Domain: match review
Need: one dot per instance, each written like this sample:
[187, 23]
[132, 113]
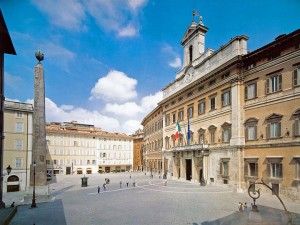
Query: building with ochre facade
[241, 110]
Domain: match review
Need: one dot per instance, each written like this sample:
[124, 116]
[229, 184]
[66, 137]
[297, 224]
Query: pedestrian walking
[104, 186]
[130, 176]
[127, 183]
[133, 184]
[240, 207]
[98, 189]
[245, 206]
[120, 184]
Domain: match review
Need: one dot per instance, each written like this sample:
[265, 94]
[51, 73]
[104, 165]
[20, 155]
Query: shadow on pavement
[265, 216]
[45, 213]
[54, 192]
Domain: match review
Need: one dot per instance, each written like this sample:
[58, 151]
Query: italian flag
[178, 130]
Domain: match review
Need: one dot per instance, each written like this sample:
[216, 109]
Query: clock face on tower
[189, 75]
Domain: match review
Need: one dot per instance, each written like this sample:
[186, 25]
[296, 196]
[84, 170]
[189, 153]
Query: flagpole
[184, 131]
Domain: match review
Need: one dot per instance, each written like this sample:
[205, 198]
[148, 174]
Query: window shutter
[295, 77]
[279, 129]
[269, 169]
[267, 85]
[256, 169]
[223, 135]
[280, 82]
[229, 134]
[255, 133]
[296, 128]
[245, 168]
[246, 133]
[255, 90]
[222, 99]
[229, 96]
[280, 170]
[221, 168]
[246, 92]
[268, 131]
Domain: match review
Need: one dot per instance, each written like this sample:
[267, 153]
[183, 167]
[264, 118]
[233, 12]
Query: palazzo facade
[242, 110]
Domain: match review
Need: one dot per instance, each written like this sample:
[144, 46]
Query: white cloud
[128, 31]
[135, 4]
[115, 86]
[64, 14]
[176, 63]
[67, 107]
[126, 117]
[149, 102]
[118, 16]
[130, 126]
[127, 109]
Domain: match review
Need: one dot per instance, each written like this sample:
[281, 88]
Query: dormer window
[191, 53]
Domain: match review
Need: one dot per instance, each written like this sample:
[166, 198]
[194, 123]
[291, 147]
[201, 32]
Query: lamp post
[33, 205]
[8, 169]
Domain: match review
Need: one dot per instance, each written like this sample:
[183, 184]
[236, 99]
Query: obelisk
[39, 122]
[38, 168]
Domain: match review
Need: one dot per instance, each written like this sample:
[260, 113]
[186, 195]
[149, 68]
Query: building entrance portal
[188, 169]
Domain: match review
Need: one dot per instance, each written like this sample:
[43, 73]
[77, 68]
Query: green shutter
[245, 168]
[295, 77]
[267, 85]
[280, 82]
[246, 133]
[256, 169]
[246, 92]
[279, 129]
[268, 131]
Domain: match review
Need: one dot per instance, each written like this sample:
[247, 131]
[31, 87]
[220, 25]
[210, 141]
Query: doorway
[68, 170]
[188, 164]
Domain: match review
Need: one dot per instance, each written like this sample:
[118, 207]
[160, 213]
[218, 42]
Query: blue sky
[106, 61]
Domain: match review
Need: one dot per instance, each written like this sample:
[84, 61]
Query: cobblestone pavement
[149, 201]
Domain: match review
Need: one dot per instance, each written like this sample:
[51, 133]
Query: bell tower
[193, 41]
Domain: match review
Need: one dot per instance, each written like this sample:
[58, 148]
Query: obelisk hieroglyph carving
[39, 129]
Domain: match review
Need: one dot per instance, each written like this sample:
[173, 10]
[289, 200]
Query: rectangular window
[18, 162]
[19, 127]
[226, 98]
[180, 115]
[54, 161]
[226, 135]
[201, 138]
[212, 137]
[253, 171]
[190, 111]
[251, 133]
[167, 120]
[298, 169]
[18, 144]
[276, 170]
[212, 103]
[250, 91]
[275, 128]
[224, 168]
[201, 107]
[174, 117]
[274, 83]
[19, 114]
[296, 77]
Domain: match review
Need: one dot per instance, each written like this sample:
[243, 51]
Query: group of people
[242, 206]
[107, 182]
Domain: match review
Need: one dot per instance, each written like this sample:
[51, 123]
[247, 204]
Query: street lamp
[33, 205]
[8, 169]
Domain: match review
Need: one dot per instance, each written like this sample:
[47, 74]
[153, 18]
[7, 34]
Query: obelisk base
[42, 194]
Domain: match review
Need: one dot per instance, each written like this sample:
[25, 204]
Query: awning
[79, 169]
[89, 169]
